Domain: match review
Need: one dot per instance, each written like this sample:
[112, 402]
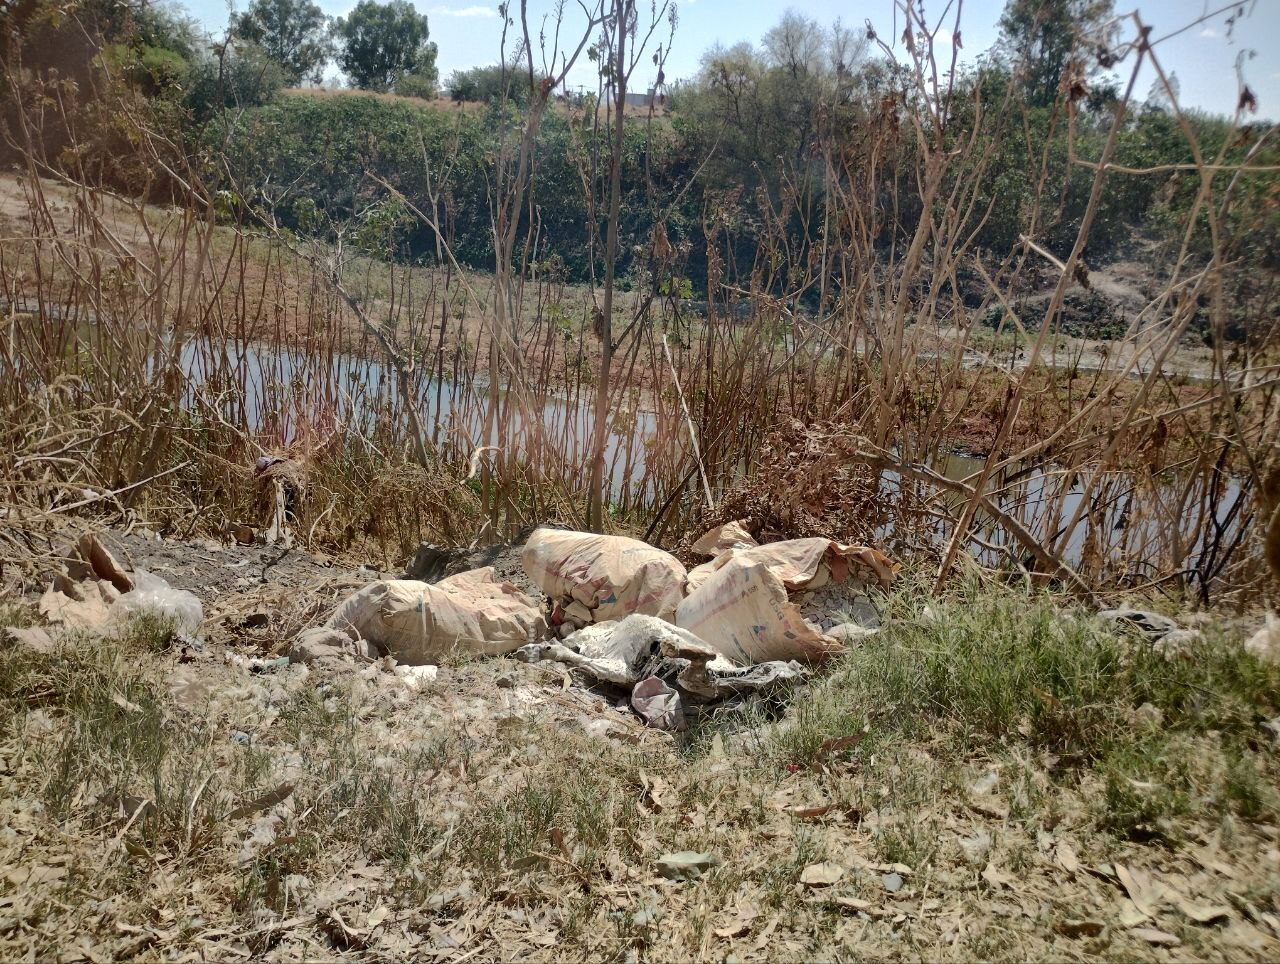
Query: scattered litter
[418, 622]
[1154, 625]
[892, 882]
[658, 704]
[313, 646]
[822, 874]
[686, 864]
[256, 664]
[608, 577]
[640, 648]
[417, 678]
[152, 594]
[93, 590]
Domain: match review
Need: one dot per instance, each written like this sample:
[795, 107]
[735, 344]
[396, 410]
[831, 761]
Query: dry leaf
[853, 903]
[1079, 928]
[997, 878]
[1142, 890]
[810, 813]
[821, 875]
[125, 704]
[1066, 857]
[1204, 913]
[277, 795]
[33, 638]
[686, 864]
[838, 744]
[1157, 937]
[738, 927]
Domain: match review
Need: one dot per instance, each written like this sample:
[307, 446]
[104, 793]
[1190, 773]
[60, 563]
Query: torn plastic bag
[611, 577]
[152, 594]
[658, 704]
[94, 591]
[420, 623]
[639, 647]
[623, 652]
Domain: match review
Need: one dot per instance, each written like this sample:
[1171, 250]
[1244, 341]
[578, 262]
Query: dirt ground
[190, 802]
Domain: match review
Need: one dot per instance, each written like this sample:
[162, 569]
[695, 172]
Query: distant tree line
[742, 153]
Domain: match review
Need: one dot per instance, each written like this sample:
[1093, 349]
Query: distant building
[649, 99]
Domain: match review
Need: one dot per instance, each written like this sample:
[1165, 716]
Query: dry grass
[151, 355]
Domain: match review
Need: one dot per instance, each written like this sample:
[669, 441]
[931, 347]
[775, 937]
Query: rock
[1265, 643]
[686, 864]
[892, 882]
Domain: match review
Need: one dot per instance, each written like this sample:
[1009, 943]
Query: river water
[274, 391]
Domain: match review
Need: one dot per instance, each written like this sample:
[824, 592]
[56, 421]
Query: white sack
[612, 576]
[419, 622]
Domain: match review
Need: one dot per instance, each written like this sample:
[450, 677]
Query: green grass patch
[986, 670]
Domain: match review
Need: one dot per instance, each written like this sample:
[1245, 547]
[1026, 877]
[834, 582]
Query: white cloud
[476, 11]
[1209, 32]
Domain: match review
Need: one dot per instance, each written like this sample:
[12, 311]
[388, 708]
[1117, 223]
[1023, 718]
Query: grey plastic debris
[658, 704]
[645, 648]
[1153, 624]
[316, 645]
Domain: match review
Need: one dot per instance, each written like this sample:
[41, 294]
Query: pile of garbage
[93, 592]
[629, 615]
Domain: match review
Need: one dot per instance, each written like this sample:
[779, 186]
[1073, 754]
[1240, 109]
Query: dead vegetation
[151, 355]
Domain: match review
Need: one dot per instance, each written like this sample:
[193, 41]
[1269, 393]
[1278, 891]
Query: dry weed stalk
[138, 339]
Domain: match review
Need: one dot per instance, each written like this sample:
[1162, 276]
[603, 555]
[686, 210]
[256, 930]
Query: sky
[1204, 58]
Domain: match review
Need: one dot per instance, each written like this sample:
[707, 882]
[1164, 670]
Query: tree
[488, 84]
[1040, 37]
[382, 42]
[293, 33]
[244, 75]
[423, 79]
